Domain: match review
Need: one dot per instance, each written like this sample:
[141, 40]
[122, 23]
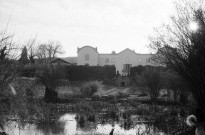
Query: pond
[68, 125]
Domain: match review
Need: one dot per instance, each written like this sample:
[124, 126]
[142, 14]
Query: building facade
[123, 60]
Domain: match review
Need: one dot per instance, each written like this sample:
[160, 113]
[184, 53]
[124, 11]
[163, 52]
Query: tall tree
[175, 83]
[7, 64]
[7, 71]
[32, 49]
[48, 75]
[24, 56]
[182, 48]
[151, 77]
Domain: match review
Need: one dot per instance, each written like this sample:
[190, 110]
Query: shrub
[143, 94]
[84, 108]
[82, 121]
[91, 118]
[98, 105]
[89, 88]
[122, 95]
[27, 71]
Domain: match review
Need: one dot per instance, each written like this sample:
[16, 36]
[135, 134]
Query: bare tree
[7, 46]
[7, 63]
[182, 49]
[32, 49]
[24, 56]
[7, 71]
[48, 75]
[47, 52]
[151, 77]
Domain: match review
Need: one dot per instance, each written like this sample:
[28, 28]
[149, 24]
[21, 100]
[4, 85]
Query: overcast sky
[109, 25]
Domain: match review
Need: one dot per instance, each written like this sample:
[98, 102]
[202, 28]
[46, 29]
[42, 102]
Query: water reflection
[69, 125]
[12, 128]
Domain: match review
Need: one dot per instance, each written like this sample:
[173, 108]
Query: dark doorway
[122, 84]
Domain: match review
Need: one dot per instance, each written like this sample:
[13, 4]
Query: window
[113, 60]
[86, 57]
[126, 67]
[106, 60]
[148, 60]
[127, 59]
[140, 60]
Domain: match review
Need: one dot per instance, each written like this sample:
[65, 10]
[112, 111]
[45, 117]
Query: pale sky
[109, 25]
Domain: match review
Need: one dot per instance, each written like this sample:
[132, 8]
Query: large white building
[123, 60]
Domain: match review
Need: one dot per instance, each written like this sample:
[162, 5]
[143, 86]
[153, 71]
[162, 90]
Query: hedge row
[76, 73]
[86, 73]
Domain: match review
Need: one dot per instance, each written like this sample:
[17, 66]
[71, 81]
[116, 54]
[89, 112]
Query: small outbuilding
[122, 81]
[61, 62]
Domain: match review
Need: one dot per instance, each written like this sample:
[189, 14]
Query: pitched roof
[72, 60]
[128, 50]
[135, 52]
[63, 61]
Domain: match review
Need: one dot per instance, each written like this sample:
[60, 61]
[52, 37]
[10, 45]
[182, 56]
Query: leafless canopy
[47, 52]
[7, 60]
[182, 48]
[32, 48]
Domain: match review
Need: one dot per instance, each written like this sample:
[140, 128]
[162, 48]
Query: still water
[67, 125]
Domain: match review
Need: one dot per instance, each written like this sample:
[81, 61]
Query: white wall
[93, 56]
[127, 56]
[102, 59]
[130, 57]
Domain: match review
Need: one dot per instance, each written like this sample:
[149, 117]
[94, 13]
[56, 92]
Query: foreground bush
[89, 88]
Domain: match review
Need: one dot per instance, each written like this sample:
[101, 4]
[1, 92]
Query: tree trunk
[154, 95]
[50, 95]
[175, 95]
[200, 111]
[199, 96]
